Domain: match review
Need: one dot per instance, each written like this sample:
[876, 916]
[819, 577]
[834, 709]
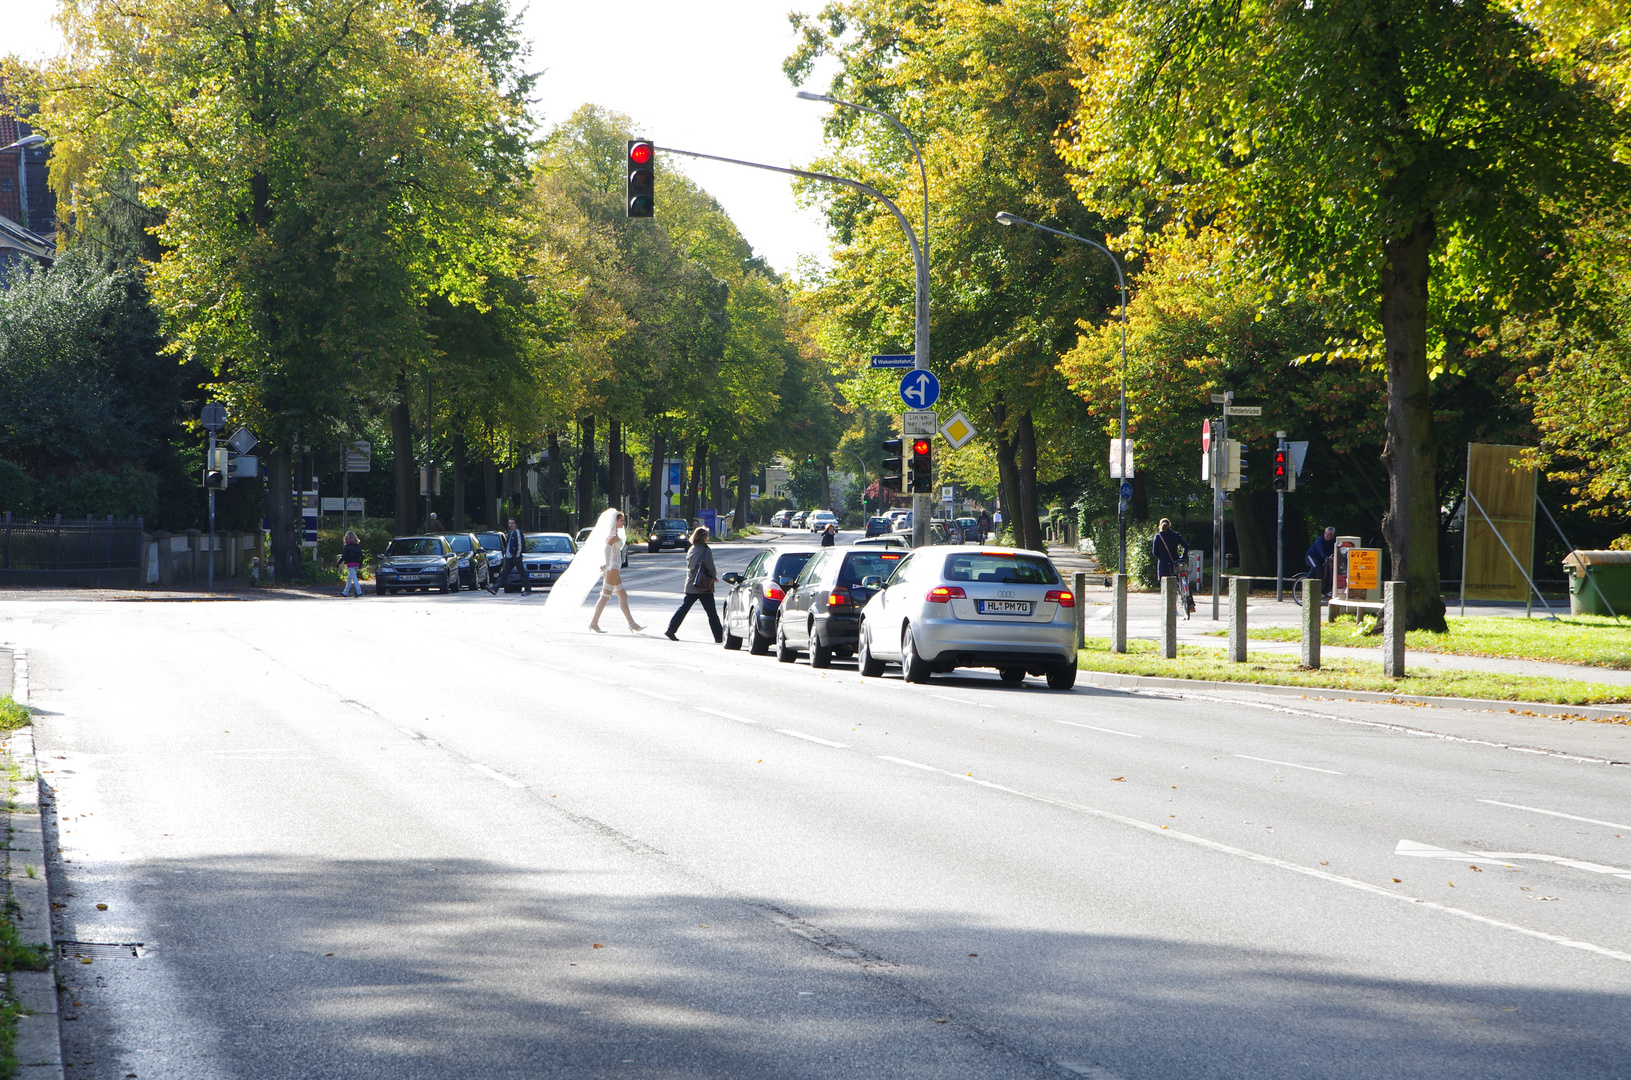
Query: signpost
[214, 418]
[919, 422]
[1217, 449]
[919, 389]
[895, 360]
[353, 458]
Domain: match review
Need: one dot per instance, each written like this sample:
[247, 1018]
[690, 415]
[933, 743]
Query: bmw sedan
[417, 562]
[947, 608]
[544, 558]
[756, 596]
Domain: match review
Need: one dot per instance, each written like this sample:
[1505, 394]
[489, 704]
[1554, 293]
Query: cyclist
[1168, 549]
[1318, 560]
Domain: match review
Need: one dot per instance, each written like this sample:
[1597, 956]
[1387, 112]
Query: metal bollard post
[1238, 588]
[1169, 617]
[1118, 616]
[1081, 609]
[1393, 619]
[1311, 588]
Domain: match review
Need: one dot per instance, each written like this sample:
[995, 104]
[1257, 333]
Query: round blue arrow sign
[919, 389]
[1126, 490]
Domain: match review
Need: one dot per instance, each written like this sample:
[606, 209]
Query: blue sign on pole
[1126, 490]
[894, 360]
[919, 389]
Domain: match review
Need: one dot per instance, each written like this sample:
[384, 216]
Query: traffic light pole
[209, 560]
[1279, 532]
[1220, 462]
[920, 307]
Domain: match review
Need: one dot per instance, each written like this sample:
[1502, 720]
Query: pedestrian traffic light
[922, 467]
[642, 183]
[891, 478]
[1285, 479]
[217, 469]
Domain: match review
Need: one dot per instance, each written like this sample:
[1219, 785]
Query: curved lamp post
[1011, 219]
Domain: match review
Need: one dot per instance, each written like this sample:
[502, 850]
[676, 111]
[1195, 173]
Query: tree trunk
[586, 470]
[285, 554]
[489, 491]
[557, 480]
[1411, 524]
[407, 489]
[825, 502]
[693, 490]
[614, 463]
[1026, 438]
[455, 520]
[659, 476]
[740, 521]
[1008, 481]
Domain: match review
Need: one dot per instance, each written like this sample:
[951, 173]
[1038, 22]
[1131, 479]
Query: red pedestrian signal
[641, 191]
[1285, 479]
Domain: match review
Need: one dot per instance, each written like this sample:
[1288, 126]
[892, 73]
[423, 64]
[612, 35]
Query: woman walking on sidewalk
[611, 580]
[351, 558]
[700, 575]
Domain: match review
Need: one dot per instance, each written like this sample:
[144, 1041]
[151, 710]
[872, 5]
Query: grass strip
[12, 715]
[1591, 640]
[1197, 662]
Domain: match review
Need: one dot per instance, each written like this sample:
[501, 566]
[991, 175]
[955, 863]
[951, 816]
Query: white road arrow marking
[1428, 851]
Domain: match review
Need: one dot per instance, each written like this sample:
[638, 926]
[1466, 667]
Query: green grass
[1194, 662]
[1594, 640]
[13, 715]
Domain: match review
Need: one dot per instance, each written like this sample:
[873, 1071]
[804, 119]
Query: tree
[1362, 146]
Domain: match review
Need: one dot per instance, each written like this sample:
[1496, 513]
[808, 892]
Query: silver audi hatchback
[947, 608]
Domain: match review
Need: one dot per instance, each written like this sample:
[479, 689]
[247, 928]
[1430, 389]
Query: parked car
[756, 596]
[780, 518]
[1003, 608]
[901, 521]
[971, 529]
[820, 519]
[890, 540]
[544, 558]
[584, 534]
[493, 544]
[822, 612]
[877, 526]
[474, 571]
[944, 532]
[797, 520]
[417, 562]
[669, 533]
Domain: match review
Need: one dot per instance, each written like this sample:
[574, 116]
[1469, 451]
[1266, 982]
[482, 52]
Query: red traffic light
[640, 153]
[920, 446]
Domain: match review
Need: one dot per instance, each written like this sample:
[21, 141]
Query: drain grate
[99, 950]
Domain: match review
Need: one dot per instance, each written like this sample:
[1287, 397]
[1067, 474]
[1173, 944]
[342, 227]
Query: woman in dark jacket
[700, 575]
[829, 536]
[1167, 548]
[351, 559]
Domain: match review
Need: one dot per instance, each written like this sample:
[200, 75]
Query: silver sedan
[941, 609]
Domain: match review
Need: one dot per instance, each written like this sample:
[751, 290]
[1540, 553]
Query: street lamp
[1011, 219]
[21, 145]
[920, 345]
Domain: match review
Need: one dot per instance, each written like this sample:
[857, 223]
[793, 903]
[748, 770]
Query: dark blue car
[756, 596]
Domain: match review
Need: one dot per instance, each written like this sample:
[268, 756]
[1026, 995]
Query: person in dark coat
[514, 542]
[1167, 548]
[1318, 561]
[700, 575]
[829, 536]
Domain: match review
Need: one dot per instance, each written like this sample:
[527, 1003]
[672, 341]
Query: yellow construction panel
[1507, 495]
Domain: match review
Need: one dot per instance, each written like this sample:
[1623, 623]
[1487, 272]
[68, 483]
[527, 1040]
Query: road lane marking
[1106, 730]
[652, 694]
[1555, 813]
[1168, 833]
[958, 701]
[912, 764]
[812, 738]
[726, 715]
[494, 774]
[1290, 764]
[1428, 851]
[1092, 1072]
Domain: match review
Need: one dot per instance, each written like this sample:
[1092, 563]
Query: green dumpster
[1599, 582]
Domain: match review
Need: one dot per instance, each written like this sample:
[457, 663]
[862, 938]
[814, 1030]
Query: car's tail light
[838, 598]
[1062, 597]
[773, 593]
[941, 594]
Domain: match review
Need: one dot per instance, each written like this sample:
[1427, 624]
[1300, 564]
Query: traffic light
[922, 467]
[1234, 465]
[216, 472]
[891, 478]
[1285, 479]
[642, 182]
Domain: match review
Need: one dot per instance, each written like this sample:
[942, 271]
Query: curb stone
[1110, 680]
[39, 1034]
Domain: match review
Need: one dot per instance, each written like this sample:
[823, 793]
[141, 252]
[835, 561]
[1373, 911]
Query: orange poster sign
[1364, 568]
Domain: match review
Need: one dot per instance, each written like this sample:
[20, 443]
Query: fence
[100, 554]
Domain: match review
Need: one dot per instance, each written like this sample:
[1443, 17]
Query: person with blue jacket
[1318, 559]
[1167, 548]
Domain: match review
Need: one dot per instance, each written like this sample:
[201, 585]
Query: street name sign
[919, 389]
[1243, 410]
[1115, 459]
[924, 422]
[957, 431]
[357, 456]
[895, 360]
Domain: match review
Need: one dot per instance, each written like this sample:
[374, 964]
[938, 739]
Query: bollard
[1081, 609]
[1118, 614]
[1393, 620]
[1169, 617]
[1238, 588]
[1311, 588]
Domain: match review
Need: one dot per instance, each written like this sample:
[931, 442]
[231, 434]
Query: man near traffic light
[1318, 560]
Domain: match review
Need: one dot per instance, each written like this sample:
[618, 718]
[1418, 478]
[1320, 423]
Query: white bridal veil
[573, 587]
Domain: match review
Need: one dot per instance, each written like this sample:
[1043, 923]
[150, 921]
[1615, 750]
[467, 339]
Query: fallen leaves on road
[1474, 869]
[600, 946]
[1119, 779]
[101, 907]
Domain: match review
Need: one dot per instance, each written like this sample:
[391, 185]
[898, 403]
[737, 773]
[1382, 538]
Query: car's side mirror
[873, 582]
[733, 578]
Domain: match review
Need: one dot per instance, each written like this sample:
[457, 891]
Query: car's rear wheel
[913, 666]
[870, 665]
[820, 651]
[1062, 677]
[1011, 674]
[758, 644]
[784, 652]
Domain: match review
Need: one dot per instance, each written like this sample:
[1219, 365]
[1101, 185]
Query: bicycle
[1295, 582]
[1185, 598]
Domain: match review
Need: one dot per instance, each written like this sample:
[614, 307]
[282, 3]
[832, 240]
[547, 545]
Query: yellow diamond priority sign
[957, 431]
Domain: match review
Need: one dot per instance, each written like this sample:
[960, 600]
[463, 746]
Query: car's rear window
[460, 543]
[860, 565]
[1001, 568]
[790, 564]
[549, 544]
[419, 545]
[491, 541]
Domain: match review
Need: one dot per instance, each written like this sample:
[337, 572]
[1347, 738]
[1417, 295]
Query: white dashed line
[912, 764]
[1290, 764]
[652, 694]
[1106, 730]
[494, 774]
[725, 715]
[1555, 813]
[812, 738]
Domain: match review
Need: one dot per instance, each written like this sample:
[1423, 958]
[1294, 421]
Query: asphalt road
[416, 837]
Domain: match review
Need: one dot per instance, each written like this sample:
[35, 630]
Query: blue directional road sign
[894, 360]
[919, 389]
[1126, 490]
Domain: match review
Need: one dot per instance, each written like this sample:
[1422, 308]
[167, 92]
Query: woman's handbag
[703, 580]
